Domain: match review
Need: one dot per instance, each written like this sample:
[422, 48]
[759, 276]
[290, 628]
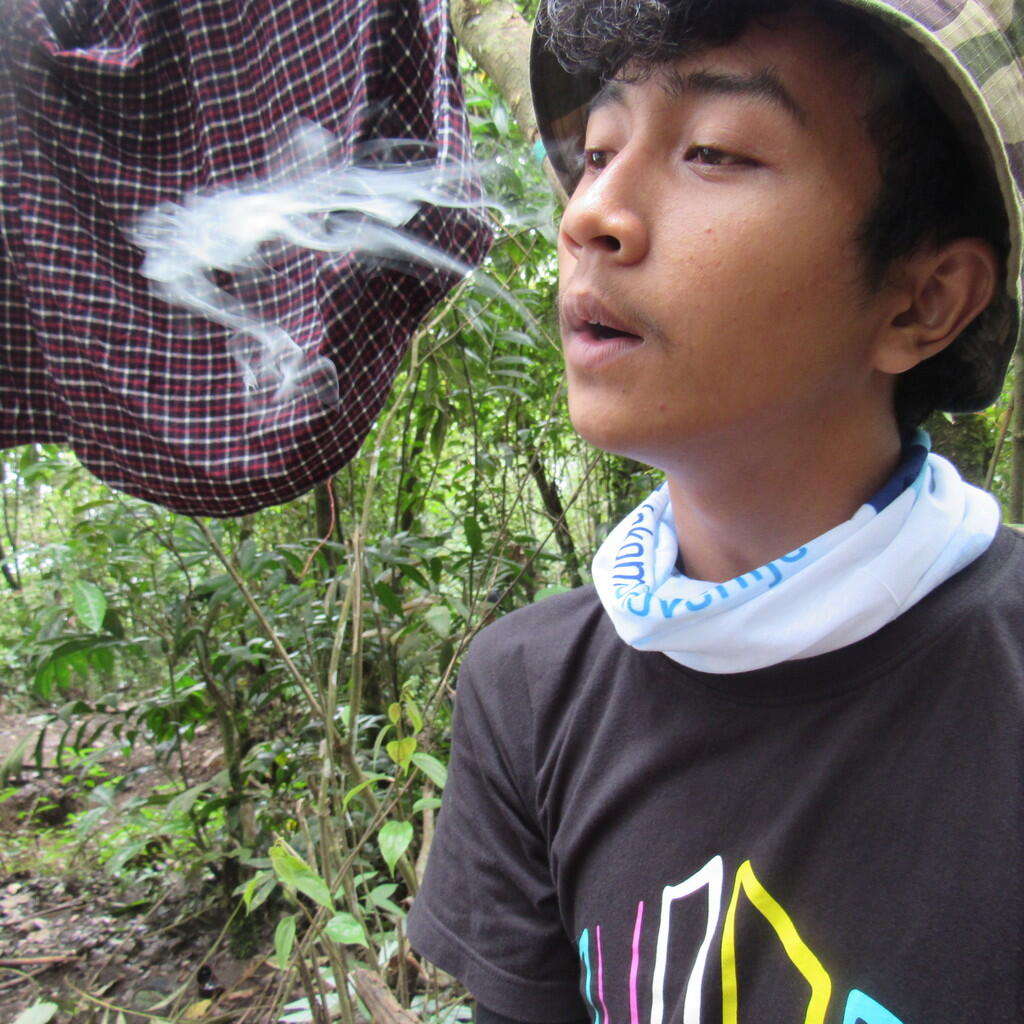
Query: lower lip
[583, 351]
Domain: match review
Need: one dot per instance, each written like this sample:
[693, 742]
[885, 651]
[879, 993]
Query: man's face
[711, 285]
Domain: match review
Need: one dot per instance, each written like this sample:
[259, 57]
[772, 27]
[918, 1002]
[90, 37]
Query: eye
[711, 156]
[595, 159]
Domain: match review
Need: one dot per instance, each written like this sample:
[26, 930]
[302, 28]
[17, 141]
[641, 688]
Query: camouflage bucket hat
[968, 54]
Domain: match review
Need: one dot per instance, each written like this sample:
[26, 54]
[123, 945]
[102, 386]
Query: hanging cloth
[110, 107]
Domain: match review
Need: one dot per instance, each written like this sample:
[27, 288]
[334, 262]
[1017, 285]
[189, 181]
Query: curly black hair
[933, 188]
[600, 38]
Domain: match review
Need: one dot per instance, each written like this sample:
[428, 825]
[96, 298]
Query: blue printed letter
[861, 1007]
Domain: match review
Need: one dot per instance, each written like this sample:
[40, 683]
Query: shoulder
[543, 656]
[998, 592]
[997, 577]
[544, 629]
[973, 620]
[994, 578]
[1014, 537]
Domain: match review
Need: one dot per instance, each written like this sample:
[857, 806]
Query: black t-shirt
[833, 840]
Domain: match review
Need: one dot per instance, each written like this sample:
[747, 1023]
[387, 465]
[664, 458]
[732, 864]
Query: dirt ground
[70, 933]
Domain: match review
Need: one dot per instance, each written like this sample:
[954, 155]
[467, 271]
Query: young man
[770, 767]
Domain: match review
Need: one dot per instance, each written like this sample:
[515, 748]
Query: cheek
[566, 262]
[799, 273]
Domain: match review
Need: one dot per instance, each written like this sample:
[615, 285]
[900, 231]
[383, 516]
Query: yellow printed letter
[806, 962]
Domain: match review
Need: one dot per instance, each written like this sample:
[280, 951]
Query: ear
[939, 293]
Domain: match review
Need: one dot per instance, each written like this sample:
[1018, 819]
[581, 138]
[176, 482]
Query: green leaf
[38, 1013]
[287, 863]
[439, 619]
[474, 535]
[518, 338]
[89, 603]
[102, 660]
[376, 777]
[284, 939]
[345, 929]
[500, 116]
[295, 873]
[415, 575]
[380, 896]
[432, 768]
[246, 557]
[183, 802]
[401, 751]
[62, 673]
[437, 434]
[257, 889]
[42, 683]
[394, 712]
[389, 599]
[79, 661]
[394, 839]
[316, 889]
[426, 803]
[414, 715]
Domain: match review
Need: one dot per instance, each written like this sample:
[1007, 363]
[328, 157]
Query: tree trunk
[497, 37]
[556, 513]
[12, 580]
[328, 525]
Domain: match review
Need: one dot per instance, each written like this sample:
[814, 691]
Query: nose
[605, 214]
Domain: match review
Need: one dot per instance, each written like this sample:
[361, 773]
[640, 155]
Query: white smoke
[355, 207]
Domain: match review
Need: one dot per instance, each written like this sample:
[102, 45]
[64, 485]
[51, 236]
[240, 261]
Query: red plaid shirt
[108, 107]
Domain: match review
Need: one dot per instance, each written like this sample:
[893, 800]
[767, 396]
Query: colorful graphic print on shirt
[709, 882]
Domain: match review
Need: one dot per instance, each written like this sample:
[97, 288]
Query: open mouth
[593, 330]
[593, 335]
[603, 332]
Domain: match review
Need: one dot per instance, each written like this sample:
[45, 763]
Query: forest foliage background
[320, 640]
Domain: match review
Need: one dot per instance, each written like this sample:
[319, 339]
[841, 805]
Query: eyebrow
[764, 85]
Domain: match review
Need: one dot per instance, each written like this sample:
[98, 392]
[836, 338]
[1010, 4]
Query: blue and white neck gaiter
[835, 590]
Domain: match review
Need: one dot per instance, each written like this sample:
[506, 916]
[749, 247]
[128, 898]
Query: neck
[739, 508]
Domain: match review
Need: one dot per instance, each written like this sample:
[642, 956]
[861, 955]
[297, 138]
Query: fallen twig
[383, 1006]
[63, 906]
[29, 961]
[23, 976]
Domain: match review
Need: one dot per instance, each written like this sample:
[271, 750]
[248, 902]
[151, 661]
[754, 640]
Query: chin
[596, 430]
